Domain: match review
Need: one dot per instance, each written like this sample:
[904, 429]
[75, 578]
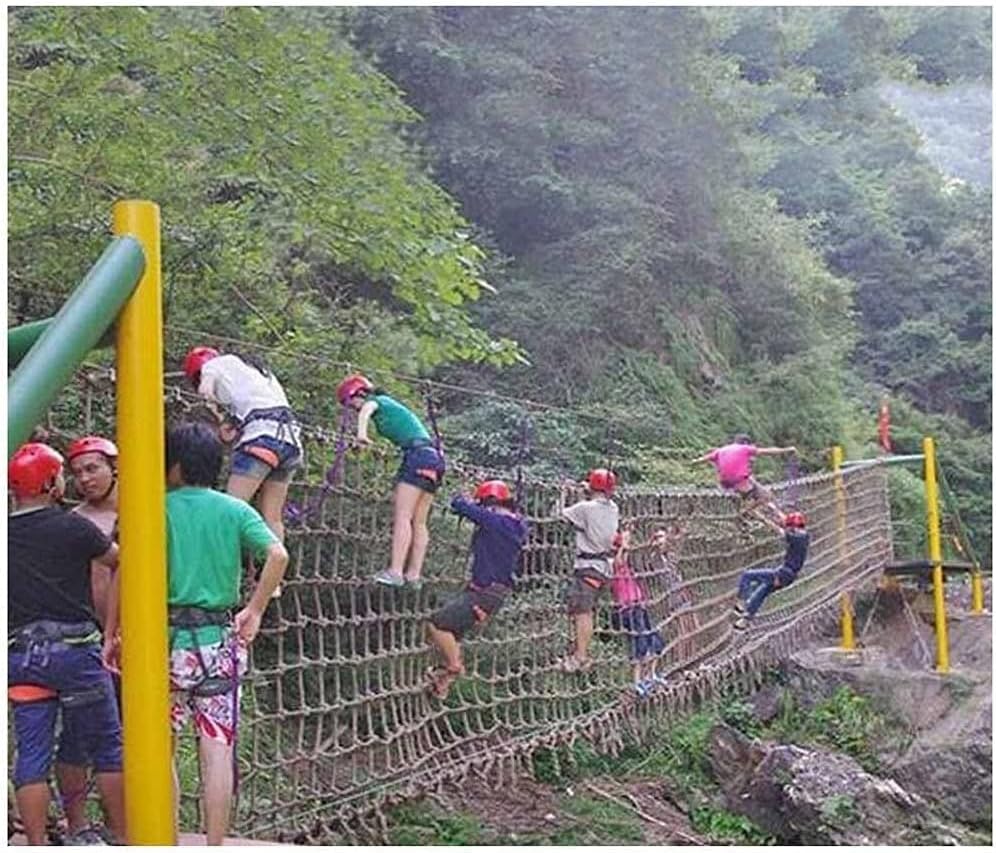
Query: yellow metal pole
[934, 548]
[840, 511]
[142, 530]
[978, 604]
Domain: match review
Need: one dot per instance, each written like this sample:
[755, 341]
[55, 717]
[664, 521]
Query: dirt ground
[527, 809]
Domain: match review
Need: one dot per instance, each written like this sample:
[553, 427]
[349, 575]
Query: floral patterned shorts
[214, 717]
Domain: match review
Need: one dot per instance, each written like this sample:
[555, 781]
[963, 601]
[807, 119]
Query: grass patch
[723, 827]
[845, 722]
[598, 822]
[839, 809]
[420, 824]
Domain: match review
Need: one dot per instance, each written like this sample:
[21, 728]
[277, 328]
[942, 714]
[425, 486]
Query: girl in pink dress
[631, 616]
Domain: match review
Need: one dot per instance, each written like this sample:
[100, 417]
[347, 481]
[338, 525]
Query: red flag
[884, 439]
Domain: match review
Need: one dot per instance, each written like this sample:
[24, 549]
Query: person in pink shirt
[630, 616]
[734, 468]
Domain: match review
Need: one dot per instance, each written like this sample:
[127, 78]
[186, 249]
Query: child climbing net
[733, 463]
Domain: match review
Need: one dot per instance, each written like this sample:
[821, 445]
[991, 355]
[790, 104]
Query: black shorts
[469, 608]
[586, 587]
[423, 467]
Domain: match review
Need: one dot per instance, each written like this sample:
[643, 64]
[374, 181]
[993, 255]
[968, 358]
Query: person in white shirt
[595, 522]
[257, 419]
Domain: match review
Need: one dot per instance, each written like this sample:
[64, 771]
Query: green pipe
[20, 339]
[72, 333]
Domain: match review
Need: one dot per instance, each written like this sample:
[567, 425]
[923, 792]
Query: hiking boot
[389, 578]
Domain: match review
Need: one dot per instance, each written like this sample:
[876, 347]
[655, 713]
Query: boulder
[951, 764]
[812, 796]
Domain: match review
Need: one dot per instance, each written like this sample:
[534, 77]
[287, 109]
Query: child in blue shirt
[757, 584]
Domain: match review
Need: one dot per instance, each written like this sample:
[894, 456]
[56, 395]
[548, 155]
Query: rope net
[336, 723]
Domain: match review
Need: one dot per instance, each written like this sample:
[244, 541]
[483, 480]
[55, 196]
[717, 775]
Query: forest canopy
[677, 223]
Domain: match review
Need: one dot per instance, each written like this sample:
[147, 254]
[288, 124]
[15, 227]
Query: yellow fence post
[142, 531]
[840, 511]
[978, 601]
[934, 548]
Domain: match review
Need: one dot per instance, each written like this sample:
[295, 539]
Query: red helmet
[493, 489]
[92, 444]
[352, 385]
[196, 359]
[795, 519]
[31, 468]
[602, 480]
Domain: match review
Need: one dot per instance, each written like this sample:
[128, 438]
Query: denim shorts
[266, 458]
[89, 711]
[422, 466]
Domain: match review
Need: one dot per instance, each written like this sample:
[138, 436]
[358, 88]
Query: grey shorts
[586, 587]
[471, 607]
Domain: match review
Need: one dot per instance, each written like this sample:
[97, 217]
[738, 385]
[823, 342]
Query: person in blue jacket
[757, 584]
[496, 545]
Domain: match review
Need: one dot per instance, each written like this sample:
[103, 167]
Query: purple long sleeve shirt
[496, 543]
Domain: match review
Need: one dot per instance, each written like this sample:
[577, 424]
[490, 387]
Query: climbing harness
[282, 416]
[193, 619]
[38, 640]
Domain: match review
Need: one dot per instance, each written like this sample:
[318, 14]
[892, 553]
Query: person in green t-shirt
[418, 478]
[206, 533]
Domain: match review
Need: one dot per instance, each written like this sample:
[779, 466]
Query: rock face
[948, 760]
[951, 765]
[810, 796]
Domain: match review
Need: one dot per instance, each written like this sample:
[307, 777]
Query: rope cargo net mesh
[336, 723]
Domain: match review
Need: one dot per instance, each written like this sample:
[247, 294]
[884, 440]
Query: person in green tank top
[418, 478]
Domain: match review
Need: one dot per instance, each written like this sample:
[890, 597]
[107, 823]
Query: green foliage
[723, 827]
[419, 824]
[845, 722]
[839, 809]
[295, 212]
[596, 821]
[704, 255]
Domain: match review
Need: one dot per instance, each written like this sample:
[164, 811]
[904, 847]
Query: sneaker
[741, 624]
[389, 578]
[658, 679]
[88, 837]
[415, 584]
[739, 609]
[572, 664]
[641, 688]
